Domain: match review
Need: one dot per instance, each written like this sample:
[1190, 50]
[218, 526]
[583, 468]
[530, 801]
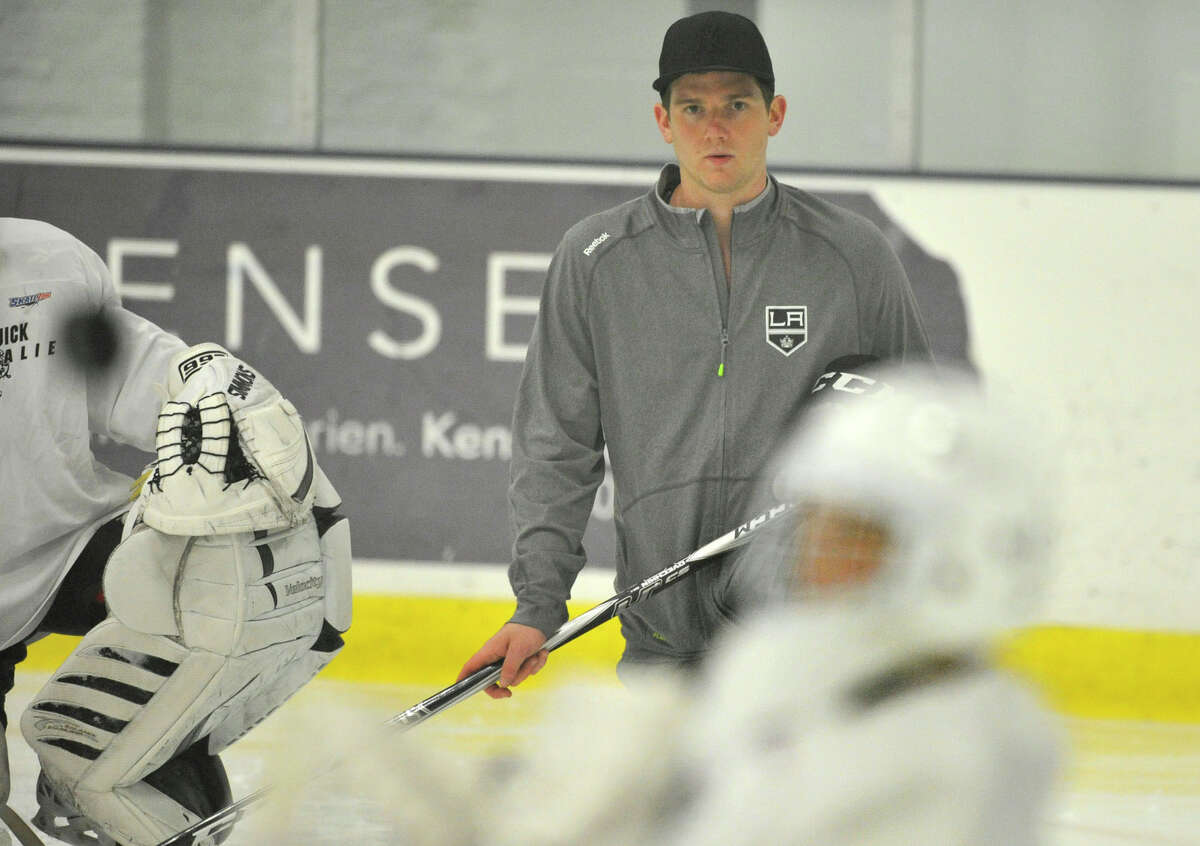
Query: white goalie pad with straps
[231, 453]
[206, 636]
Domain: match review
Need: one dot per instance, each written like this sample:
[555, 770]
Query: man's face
[837, 548]
[718, 124]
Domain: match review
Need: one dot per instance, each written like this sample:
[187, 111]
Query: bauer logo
[190, 365]
[787, 327]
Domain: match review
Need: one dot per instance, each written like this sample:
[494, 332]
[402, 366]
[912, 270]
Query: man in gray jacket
[683, 330]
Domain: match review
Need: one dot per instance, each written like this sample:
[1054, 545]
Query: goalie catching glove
[231, 452]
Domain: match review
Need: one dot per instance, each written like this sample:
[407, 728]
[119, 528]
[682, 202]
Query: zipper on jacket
[724, 347]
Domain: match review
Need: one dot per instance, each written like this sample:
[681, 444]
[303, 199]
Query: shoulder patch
[28, 300]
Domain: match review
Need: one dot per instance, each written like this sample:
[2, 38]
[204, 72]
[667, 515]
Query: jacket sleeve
[890, 323]
[558, 449]
[123, 402]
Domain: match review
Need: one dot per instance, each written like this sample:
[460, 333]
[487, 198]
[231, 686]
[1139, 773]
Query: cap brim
[660, 84]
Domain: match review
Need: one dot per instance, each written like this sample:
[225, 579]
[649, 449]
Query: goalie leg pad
[318, 595]
[239, 594]
[193, 779]
[119, 708]
[227, 594]
[140, 581]
[234, 642]
[334, 531]
[308, 658]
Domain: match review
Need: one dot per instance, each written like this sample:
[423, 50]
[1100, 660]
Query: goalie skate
[58, 817]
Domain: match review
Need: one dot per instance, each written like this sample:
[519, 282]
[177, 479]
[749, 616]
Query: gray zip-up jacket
[641, 345]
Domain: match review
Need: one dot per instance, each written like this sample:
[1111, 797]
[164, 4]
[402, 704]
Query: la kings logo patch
[787, 327]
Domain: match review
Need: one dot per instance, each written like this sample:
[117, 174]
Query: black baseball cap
[712, 41]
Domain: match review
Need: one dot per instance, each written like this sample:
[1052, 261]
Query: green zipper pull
[724, 346]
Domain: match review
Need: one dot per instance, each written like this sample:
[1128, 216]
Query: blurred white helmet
[961, 486]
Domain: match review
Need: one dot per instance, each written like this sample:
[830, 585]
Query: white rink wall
[1082, 301]
[1080, 298]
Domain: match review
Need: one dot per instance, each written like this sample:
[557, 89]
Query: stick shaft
[593, 617]
[17, 826]
[485, 676]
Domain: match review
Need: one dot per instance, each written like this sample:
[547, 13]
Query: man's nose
[717, 127]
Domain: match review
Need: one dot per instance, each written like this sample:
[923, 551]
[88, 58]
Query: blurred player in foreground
[203, 604]
[871, 710]
[866, 708]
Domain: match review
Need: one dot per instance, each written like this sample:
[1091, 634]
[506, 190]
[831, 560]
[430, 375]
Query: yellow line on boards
[1090, 672]
[1111, 674]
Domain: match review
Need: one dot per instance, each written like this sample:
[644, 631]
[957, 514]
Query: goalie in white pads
[73, 363]
[229, 590]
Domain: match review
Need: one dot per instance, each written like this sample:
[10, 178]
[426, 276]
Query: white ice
[1125, 783]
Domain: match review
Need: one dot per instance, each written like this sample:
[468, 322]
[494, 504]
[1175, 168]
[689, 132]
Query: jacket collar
[750, 219]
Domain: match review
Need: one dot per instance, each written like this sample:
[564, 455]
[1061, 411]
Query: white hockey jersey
[55, 490]
[831, 729]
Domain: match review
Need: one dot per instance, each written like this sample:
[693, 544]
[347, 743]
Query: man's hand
[521, 648]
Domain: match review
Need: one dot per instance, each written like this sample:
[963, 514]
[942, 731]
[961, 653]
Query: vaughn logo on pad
[787, 327]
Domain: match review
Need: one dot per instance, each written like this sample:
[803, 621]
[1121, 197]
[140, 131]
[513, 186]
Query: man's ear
[775, 114]
[663, 118]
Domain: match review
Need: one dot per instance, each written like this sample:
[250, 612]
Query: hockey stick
[17, 826]
[590, 619]
[213, 825]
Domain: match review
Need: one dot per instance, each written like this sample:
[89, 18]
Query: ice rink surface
[1124, 783]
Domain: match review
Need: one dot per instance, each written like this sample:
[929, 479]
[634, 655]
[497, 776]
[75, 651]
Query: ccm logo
[850, 383]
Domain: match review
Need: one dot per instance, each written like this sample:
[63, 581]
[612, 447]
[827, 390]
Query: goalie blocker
[229, 591]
